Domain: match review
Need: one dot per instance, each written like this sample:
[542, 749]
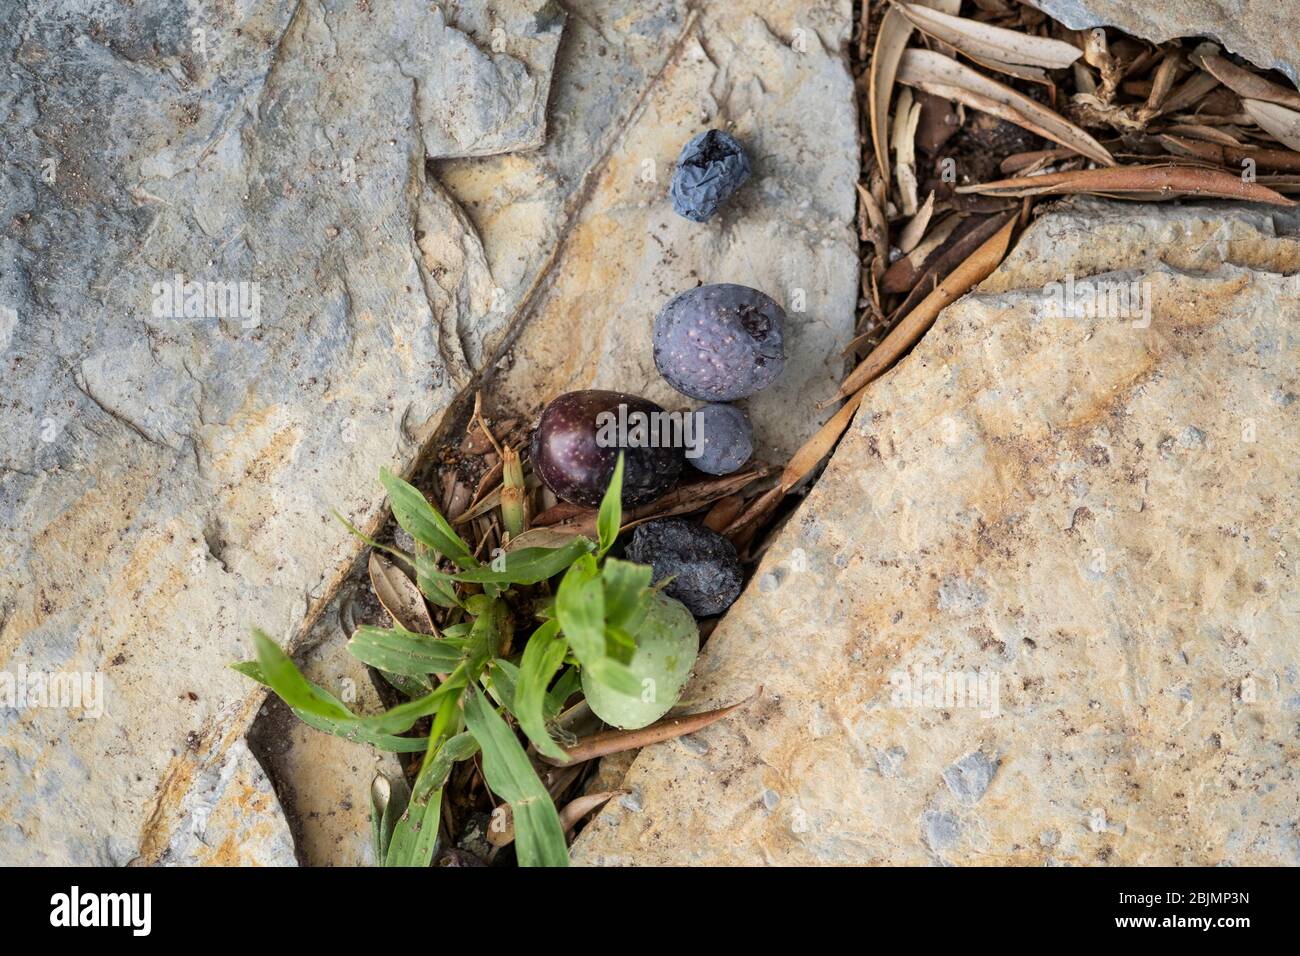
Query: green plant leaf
[404, 652]
[388, 799]
[527, 565]
[570, 683]
[351, 729]
[667, 643]
[414, 513]
[539, 838]
[282, 676]
[580, 609]
[627, 593]
[502, 681]
[610, 517]
[415, 838]
[435, 585]
[543, 657]
[485, 636]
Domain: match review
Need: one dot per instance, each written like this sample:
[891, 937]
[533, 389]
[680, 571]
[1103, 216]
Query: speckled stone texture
[1083, 529]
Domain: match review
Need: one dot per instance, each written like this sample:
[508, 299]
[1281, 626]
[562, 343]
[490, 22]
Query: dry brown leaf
[579, 807]
[1281, 160]
[1192, 90]
[971, 236]
[819, 446]
[985, 42]
[1018, 161]
[685, 498]
[1149, 181]
[944, 76]
[616, 741]
[891, 41]
[1282, 123]
[879, 225]
[907, 114]
[399, 596]
[1212, 134]
[976, 268]
[1097, 53]
[724, 512]
[914, 231]
[1243, 82]
[901, 276]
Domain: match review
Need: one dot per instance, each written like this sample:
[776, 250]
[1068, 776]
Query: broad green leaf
[400, 651]
[457, 631]
[666, 645]
[610, 516]
[351, 729]
[388, 799]
[543, 657]
[580, 609]
[414, 513]
[627, 593]
[527, 565]
[539, 838]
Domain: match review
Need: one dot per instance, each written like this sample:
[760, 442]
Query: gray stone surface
[167, 477]
[1262, 32]
[1041, 608]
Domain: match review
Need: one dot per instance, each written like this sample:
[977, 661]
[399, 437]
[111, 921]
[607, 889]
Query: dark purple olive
[576, 446]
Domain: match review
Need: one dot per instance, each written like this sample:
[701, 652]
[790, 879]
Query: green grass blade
[527, 565]
[543, 657]
[539, 839]
[350, 729]
[415, 837]
[610, 516]
[283, 677]
[389, 797]
[414, 513]
[400, 651]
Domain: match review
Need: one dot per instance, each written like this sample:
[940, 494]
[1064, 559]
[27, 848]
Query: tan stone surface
[1098, 516]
